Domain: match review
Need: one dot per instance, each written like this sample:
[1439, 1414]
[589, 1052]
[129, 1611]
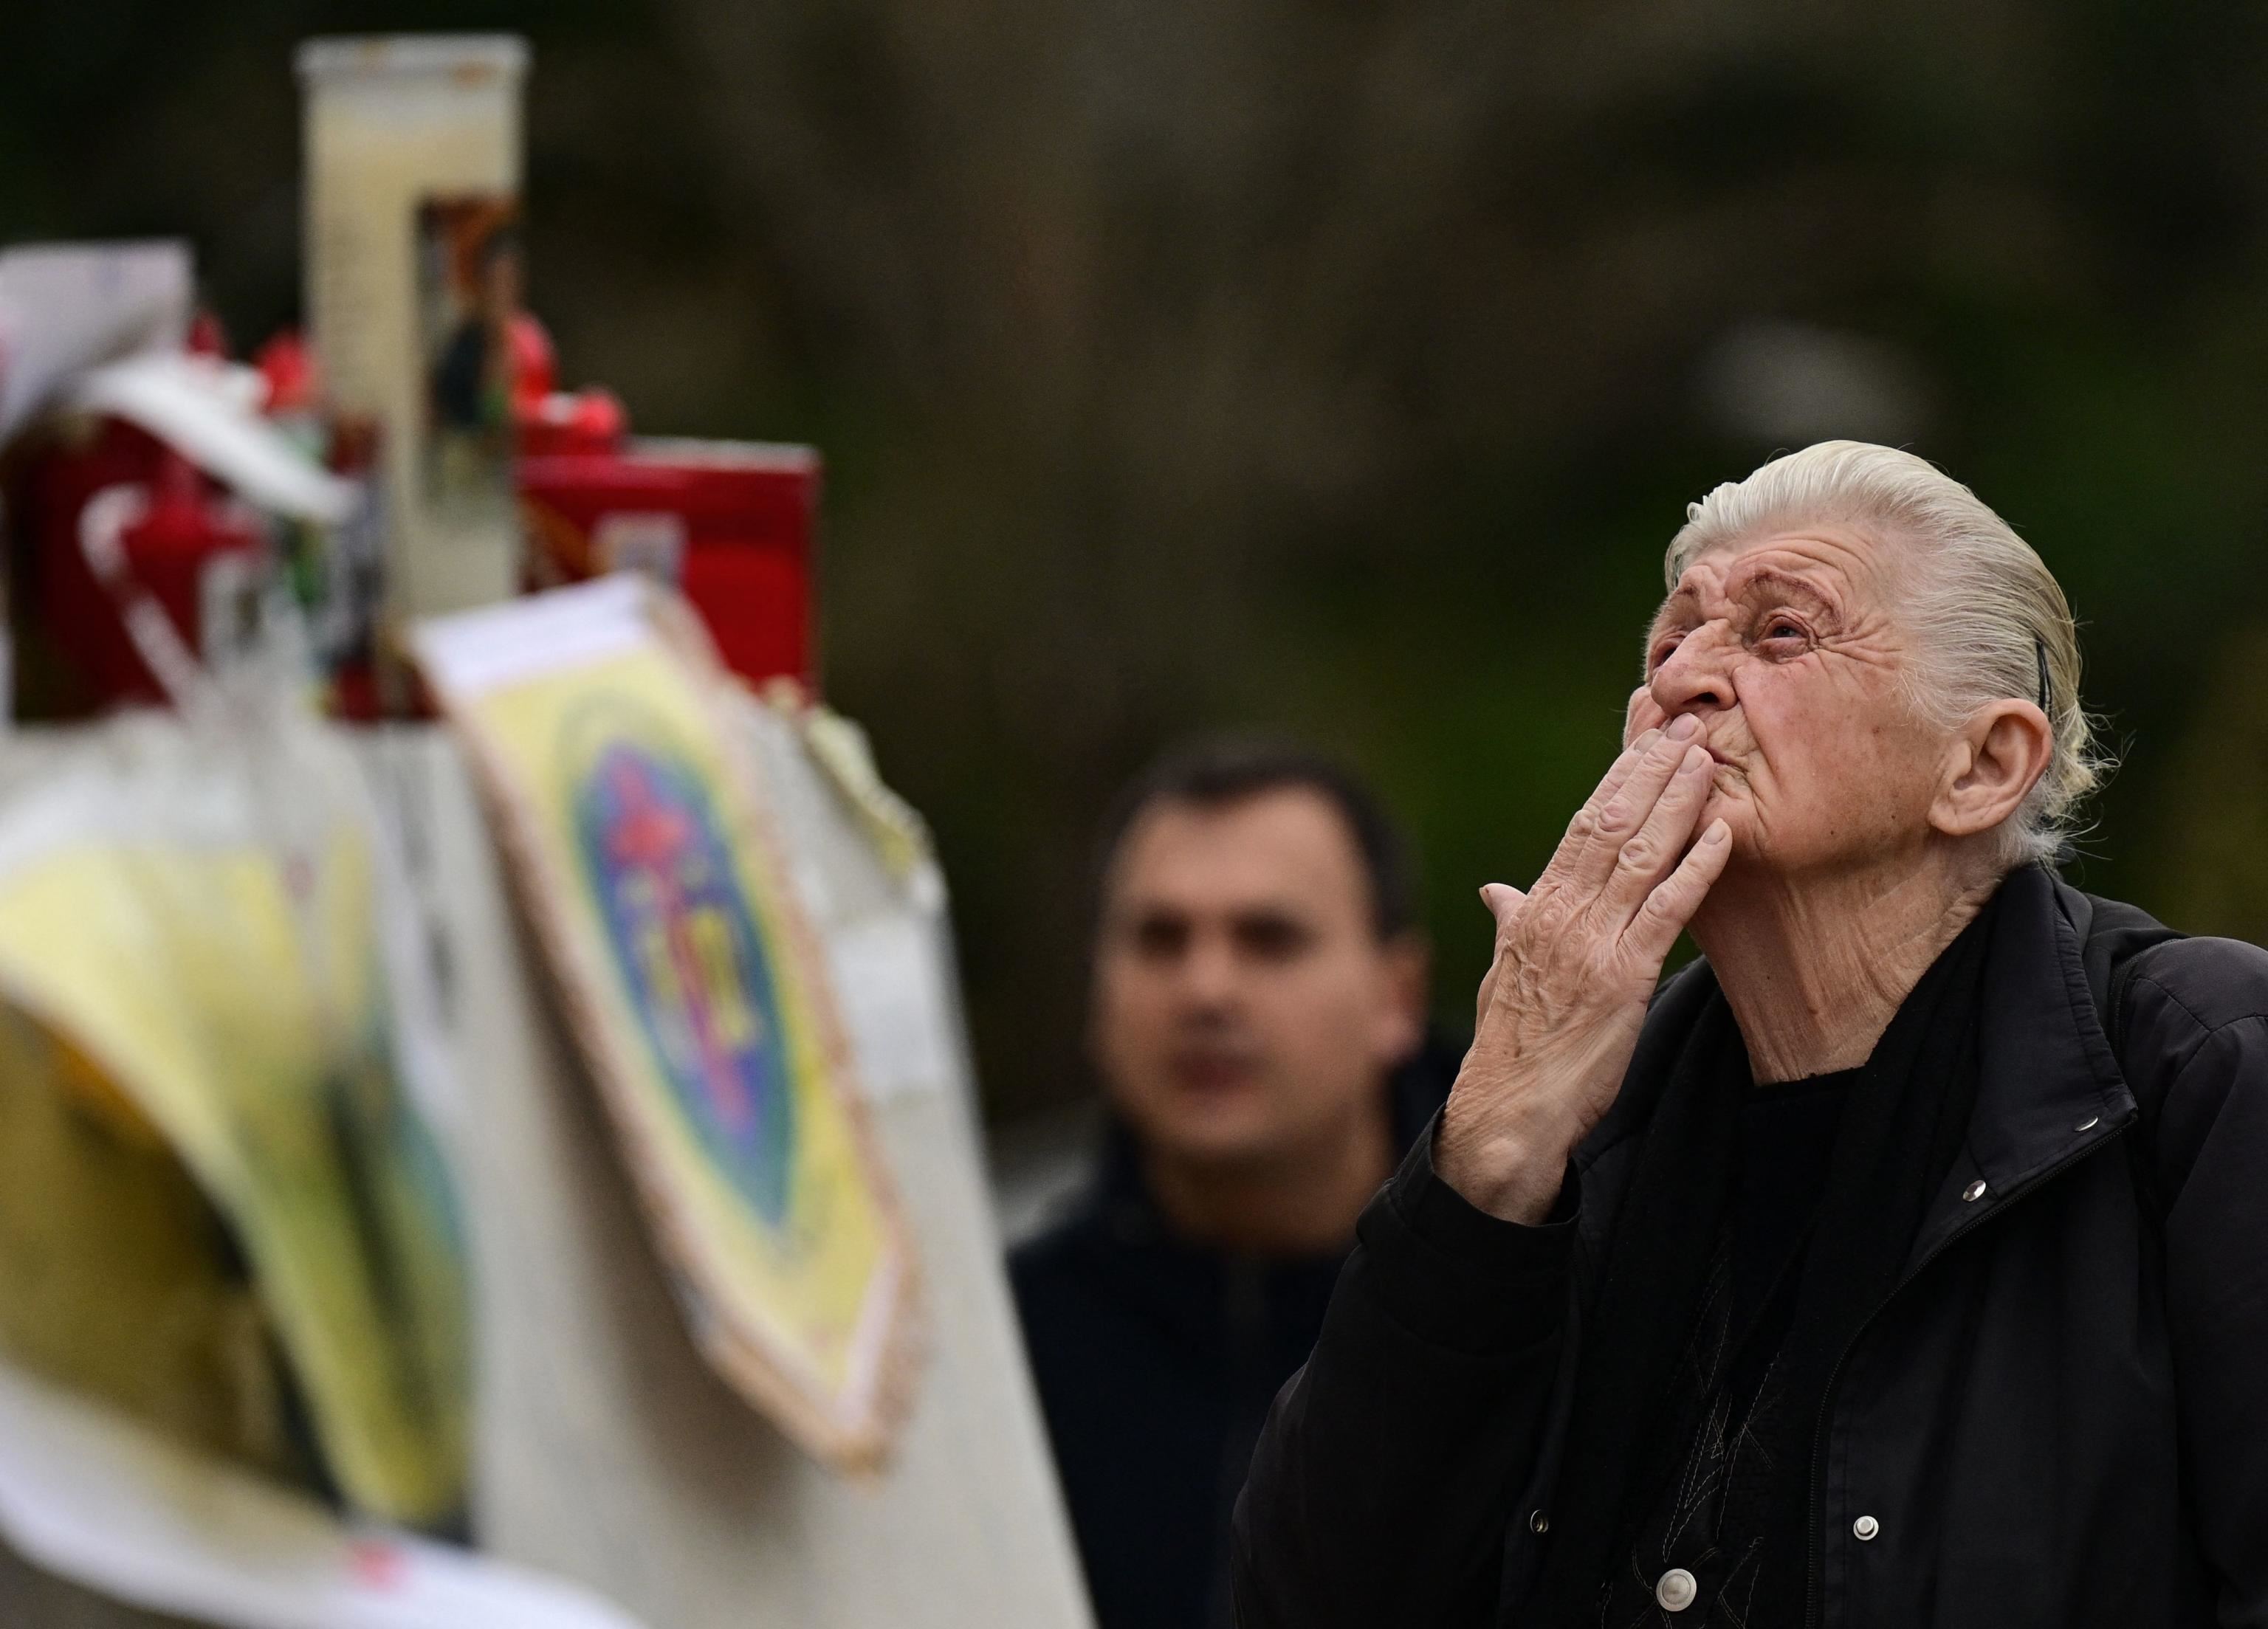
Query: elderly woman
[1903, 1262]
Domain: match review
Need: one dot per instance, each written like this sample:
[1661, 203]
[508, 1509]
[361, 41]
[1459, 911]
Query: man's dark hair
[1215, 771]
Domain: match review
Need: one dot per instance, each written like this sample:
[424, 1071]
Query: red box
[108, 513]
[729, 523]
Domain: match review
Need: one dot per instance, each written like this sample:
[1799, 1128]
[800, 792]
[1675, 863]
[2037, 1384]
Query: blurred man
[1258, 1022]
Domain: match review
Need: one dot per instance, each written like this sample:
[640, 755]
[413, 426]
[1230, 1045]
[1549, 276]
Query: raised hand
[1577, 958]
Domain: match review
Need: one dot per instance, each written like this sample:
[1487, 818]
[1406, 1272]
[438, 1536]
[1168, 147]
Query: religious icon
[686, 945]
[470, 277]
[697, 991]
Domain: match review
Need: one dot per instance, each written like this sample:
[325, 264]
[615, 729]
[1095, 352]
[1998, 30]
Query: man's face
[1244, 1007]
[1789, 650]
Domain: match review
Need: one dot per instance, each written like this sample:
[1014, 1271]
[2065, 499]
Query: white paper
[891, 987]
[91, 1496]
[472, 652]
[66, 306]
[200, 406]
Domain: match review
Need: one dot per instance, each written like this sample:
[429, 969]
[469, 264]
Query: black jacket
[2059, 1419]
[1156, 1361]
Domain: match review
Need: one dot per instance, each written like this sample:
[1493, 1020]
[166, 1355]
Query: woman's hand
[1577, 959]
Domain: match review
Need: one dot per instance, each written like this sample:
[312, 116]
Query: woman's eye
[1780, 628]
[1660, 653]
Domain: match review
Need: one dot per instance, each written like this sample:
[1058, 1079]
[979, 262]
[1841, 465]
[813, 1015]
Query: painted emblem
[686, 943]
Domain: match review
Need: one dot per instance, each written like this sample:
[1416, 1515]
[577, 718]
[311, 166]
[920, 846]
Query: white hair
[1992, 619]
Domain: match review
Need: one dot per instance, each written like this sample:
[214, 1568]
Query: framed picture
[598, 721]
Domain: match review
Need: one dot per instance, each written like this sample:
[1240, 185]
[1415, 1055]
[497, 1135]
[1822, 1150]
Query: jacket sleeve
[2201, 1006]
[1382, 1485]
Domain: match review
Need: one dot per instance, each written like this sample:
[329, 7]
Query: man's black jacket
[1156, 1359]
[2059, 1419]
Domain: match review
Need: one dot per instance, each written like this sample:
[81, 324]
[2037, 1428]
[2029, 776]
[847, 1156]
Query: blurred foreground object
[609, 1451]
[705, 1516]
[91, 1496]
[417, 283]
[413, 275]
[161, 491]
[195, 973]
[729, 523]
[658, 884]
[146, 477]
[233, 1277]
[65, 307]
[414, 456]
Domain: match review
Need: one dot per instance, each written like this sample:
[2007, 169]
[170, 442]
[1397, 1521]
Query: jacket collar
[2048, 1089]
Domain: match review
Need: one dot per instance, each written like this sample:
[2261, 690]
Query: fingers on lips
[1671, 903]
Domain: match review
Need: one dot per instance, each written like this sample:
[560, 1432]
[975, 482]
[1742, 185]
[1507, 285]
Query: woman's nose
[1695, 677]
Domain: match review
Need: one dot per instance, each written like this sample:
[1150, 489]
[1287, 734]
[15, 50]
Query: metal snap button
[1538, 1523]
[1974, 1191]
[1676, 1590]
[1864, 1528]
[2089, 1123]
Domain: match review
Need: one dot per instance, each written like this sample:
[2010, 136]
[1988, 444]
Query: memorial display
[467, 1174]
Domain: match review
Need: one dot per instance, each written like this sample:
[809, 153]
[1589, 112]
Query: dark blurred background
[1337, 367]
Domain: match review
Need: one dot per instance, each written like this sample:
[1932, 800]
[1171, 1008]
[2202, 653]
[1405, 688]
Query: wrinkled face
[1245, 1010]
[1790, 650]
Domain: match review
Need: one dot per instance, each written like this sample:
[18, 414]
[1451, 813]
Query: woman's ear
[1992, 766]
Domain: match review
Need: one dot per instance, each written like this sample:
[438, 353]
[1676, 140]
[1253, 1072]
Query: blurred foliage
[2218, 841]
[1335, 367]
